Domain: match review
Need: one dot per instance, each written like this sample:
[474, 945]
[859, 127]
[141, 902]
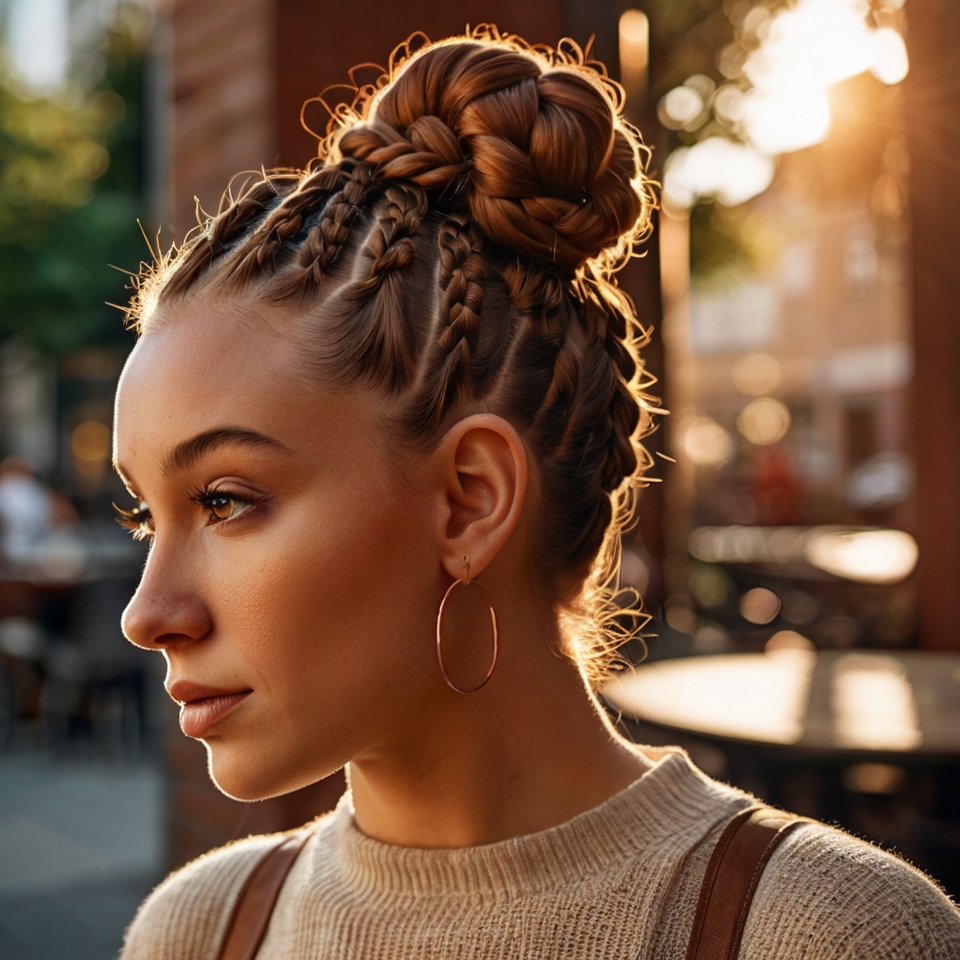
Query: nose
[167, 608]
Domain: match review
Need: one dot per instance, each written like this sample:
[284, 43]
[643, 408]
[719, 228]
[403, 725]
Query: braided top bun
[530, 140]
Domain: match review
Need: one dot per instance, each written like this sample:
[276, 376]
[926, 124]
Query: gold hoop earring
[466, 581]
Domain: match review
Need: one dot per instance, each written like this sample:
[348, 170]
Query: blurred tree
[699, 49]
[71, 190]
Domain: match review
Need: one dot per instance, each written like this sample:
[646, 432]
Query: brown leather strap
[731, 880]
[251, 915]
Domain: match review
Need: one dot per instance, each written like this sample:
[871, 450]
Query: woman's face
[279, 583]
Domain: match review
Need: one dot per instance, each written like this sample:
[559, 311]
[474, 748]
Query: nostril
[169, 639]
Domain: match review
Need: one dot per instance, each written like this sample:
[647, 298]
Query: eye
[222, 507]
[225, 508]
[138, 521]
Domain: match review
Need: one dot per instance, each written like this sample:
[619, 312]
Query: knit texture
[619, 881]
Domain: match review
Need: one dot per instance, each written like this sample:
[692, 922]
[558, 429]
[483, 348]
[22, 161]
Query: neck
[527, 752]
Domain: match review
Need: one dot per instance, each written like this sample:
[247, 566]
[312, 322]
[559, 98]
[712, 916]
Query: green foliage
[70, 196]
[716, 245]
[726, 242]
[50, 154]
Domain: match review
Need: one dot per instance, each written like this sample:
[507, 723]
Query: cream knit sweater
[619, 881]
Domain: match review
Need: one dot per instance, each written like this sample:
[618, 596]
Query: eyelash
[137, 521]
[140, 522]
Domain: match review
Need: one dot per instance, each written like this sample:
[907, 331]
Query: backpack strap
[251, 914]
[731, 880]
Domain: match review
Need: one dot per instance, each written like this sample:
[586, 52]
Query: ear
[483, 468]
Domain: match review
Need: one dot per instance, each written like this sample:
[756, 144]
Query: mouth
[201, 707]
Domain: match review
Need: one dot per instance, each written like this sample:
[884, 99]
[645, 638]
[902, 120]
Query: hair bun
[530, 138]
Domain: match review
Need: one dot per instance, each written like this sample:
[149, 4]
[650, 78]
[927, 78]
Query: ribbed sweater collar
[671, 805]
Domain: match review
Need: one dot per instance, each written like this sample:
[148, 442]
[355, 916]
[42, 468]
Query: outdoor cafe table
[849, 706]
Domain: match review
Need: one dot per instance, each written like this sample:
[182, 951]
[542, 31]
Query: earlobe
[485, 473]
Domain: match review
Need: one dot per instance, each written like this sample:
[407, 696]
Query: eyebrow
[186, 454]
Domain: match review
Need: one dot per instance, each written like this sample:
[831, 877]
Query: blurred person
[26, 510]
[29, 510]
[358, 392]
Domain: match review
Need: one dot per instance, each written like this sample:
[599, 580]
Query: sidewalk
[81, 844]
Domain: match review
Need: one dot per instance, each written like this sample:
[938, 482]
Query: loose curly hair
[453, 246]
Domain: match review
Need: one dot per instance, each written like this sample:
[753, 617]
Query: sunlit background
[797, 548]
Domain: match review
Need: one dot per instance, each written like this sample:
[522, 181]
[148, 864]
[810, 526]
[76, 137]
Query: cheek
[336, 600]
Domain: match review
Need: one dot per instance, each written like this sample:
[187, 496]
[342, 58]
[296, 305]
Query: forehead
[203, 366]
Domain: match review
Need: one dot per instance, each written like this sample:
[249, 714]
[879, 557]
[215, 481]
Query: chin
[250, 778]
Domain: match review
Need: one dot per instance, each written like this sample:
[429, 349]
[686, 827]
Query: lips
[201, 706]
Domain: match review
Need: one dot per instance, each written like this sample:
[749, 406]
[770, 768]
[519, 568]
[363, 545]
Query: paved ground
[80, 846]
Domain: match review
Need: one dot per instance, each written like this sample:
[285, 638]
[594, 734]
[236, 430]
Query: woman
[360, 391]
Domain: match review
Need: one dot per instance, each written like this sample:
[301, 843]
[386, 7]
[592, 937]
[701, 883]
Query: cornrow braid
[324, 243]
[382, 343]
[314, 220]
[454, 248]
[449, 376]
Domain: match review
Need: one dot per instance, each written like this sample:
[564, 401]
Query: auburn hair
[454, 246]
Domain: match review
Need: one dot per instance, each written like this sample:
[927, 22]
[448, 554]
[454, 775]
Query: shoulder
[825, 894]
[186, 915]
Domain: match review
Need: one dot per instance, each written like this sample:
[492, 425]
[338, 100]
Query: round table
[852, 704]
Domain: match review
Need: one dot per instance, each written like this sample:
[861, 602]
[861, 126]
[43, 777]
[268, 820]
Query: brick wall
[318, 42]
[222, 83]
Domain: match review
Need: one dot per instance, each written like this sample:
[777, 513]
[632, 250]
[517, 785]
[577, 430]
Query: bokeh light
[785, 120]
[862, 555]
[764, 421]
[799, 607]
[756, 374]
[755, 696]
[889, 62]
[885, 779]
[709, 585]
[634, 30]
[90, 447]
[716, 167]
[790, 60]
[759, 605]
[706, 443]
[679, 107]
[867, 556]
[788, 640]
[802, 51]
[90, 441]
